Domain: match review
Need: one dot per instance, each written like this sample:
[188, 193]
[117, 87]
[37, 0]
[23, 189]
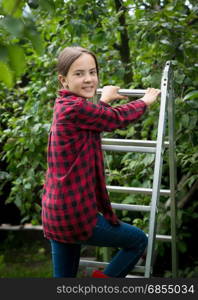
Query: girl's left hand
[151, 95]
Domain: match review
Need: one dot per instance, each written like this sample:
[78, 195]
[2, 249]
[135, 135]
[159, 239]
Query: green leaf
[4, 54]
[182, 247]
[17, 59]
[14, 26]
[148, 160]
[37, 42]
[4, 175]
[165, 42]
[6, 74]
[191, 95]
[179, 77]
[47, 5]
[18, 201]
[185, 120]
[13, 7]
[129, 199]
[27, 186]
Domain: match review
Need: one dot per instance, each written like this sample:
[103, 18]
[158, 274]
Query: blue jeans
[130, 239]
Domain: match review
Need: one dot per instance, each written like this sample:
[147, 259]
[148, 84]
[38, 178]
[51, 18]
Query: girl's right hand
[110, 93]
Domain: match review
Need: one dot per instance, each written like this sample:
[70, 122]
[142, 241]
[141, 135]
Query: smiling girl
[76, 209]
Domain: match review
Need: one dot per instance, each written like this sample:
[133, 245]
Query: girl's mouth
[88, 88]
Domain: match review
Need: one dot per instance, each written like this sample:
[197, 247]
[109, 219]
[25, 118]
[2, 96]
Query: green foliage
[16, 28]
[6, 75]
[25, 141]
[2, 262]
[31, 34]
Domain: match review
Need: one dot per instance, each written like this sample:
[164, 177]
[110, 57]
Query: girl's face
[82, 78]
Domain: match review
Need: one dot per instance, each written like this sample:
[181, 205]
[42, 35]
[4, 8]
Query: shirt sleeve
[103, 117]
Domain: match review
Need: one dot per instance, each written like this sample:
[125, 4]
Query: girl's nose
[87, 78]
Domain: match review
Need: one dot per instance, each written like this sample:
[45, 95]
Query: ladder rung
[131, 207]
[127, 142]
[127, 92]
[134, 276]
[164, 238]
[20, 227]
[128, 148]
[135, 190]
[39, 227]
[92, 263]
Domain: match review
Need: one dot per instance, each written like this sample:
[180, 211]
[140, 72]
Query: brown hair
[68, 55]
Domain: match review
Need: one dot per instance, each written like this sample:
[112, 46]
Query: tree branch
[124, 42]
[188, 196]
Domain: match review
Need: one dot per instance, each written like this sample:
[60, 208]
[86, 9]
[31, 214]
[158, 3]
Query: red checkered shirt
[75, 189]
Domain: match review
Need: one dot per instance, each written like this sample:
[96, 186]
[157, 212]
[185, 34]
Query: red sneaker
[99, 274]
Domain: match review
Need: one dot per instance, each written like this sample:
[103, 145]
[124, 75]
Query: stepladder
[165, 141]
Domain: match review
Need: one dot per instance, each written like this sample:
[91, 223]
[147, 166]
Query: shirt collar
[65, 93]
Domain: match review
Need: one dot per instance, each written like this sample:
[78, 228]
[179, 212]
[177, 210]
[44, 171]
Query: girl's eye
[93, 72]
[78, 74]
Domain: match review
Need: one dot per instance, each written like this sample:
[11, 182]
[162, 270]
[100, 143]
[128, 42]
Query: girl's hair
[68, 55]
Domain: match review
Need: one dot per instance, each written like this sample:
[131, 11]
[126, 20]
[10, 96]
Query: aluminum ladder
[157, 147]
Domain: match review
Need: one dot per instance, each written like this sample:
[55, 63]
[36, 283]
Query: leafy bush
[107, 29]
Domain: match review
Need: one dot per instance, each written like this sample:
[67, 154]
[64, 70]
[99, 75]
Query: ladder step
[20, 227]
[102, 264]
[128, 149]
[134, 276]
[127, 142]
[127, 92]
[164, 238]
[131, 207]
[135, 190]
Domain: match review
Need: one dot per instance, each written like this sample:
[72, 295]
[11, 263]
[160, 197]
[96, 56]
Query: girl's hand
[110, 93]
[151, 96]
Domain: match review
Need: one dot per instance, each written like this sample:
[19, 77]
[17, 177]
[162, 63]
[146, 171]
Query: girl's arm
[110, 93]
[103, 117]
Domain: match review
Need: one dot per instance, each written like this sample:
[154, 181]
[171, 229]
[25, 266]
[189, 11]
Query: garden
[132, 40]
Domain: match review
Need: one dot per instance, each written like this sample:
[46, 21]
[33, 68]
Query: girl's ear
[62, 80]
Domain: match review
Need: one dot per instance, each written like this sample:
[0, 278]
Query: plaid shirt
[75, 189]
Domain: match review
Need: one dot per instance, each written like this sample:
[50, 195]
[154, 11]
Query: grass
[24, 258]
[27, 255]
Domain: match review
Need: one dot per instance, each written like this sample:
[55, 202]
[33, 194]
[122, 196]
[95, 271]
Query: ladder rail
[173, 179]
[157, 170]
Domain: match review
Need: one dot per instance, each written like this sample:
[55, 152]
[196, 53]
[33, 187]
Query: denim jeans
[131, 240]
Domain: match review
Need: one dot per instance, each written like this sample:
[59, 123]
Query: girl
[76, 209]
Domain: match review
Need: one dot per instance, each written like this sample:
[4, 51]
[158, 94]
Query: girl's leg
[65, 259]
[131, 239]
